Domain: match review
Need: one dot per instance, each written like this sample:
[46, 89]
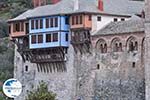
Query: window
[33, 39]
[98, 66]
[51, 22]
[115, 19]
[120, 47]
[99, 18]
[90, 17]
[77, 20]
[32, 24]
[41, 23]
[37, 24]
[22, 26]
[101, 46]
[136, 46]
[122, 19]
[133, 64]
[132, 44]
[9, 28]
[47, 22]
[80, 19]
[56, 22]
[66, 37]
[66, 20]
[26, 68]
[17, 26]
[48, 38]
[55, 37]
[116, 45]
[73, 20]
[40, 38]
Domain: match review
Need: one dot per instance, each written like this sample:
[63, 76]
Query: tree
[41, 93]
[3, 29]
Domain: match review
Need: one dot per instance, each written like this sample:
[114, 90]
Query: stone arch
[116, 45]
[101, 46]
[132, 44]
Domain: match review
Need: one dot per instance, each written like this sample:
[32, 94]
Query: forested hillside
[8, 9]
[11, 8]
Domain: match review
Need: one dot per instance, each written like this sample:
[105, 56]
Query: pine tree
[41, 93]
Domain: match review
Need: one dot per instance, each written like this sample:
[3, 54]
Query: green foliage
[6, 59]
[19, 6]
[41, 93]
[3, 29]
[12, 8]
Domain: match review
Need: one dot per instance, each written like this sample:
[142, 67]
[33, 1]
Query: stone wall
[92, 76]
[61, 83]
[112, 75]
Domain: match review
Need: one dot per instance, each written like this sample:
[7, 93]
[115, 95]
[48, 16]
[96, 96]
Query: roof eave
[118, 33]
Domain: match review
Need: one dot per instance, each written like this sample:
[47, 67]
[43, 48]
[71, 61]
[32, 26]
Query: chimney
[76, 5]
[100, 5]
[55, 1]
[37, 3]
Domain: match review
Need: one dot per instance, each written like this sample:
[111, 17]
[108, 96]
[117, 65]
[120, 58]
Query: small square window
[99, 18]
[122, 19]
[115, 19]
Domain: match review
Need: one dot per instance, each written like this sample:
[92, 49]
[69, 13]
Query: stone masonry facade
[95, 75]
[116, 68]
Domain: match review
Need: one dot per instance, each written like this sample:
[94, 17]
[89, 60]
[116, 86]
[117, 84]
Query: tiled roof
[132, 25]
[115, 7]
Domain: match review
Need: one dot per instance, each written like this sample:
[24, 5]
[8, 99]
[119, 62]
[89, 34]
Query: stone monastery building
[84, 49]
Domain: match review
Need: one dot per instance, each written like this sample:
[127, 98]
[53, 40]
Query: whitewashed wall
[105, 20]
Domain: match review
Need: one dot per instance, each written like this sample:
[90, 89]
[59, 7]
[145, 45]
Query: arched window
[120, 47]
[101, 46]
[132, 44]
[116, 45]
